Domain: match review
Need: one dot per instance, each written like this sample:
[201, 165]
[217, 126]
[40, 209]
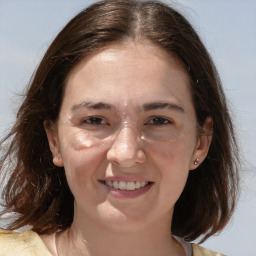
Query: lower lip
[119, 193]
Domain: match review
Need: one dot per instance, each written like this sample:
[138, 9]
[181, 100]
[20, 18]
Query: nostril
[126, 159]
[126, 149]
[114, 162]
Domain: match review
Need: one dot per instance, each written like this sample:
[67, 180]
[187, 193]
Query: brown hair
[38, 190]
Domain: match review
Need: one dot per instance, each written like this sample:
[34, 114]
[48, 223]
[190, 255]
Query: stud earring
[196, 162]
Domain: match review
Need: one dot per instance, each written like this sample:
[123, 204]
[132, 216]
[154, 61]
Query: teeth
[115, 184]
[109, 183]
[142, 184]
[137, 184]
[122, 185]
[130, 186]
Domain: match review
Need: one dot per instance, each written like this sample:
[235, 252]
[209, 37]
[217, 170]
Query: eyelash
[155, 120]
[94, 120]
[158, 121]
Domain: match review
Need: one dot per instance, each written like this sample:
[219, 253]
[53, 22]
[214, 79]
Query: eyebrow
[92, 105]
[145, 107]
[162, 105]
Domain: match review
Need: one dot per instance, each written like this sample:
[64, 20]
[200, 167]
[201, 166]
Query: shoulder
[200, 251]
[21, 244]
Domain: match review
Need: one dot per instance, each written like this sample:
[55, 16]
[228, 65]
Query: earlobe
[52, 136]
[203, 144]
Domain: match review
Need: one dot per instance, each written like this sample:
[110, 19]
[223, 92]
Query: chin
[123, 220]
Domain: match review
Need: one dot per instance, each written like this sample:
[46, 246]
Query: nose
[126, 149]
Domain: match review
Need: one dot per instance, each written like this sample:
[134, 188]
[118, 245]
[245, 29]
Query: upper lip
[125, 178]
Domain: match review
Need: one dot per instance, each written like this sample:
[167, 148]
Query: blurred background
[228, 29]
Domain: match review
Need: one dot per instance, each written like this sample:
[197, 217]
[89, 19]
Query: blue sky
[227, 27]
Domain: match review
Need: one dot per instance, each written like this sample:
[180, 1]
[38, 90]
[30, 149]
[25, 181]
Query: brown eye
[94, 120]
[158, 120]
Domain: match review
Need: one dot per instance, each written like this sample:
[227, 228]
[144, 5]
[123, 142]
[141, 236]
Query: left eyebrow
[162, 105]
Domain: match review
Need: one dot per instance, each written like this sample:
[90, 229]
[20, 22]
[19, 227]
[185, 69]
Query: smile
[122, 185]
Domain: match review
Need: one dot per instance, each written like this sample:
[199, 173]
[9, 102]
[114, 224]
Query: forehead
[129, 73]
[133, 53]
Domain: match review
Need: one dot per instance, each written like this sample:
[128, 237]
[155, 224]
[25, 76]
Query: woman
[123, 144]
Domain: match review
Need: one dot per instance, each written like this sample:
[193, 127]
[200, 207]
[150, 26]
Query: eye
[94, 120]
[158, 120]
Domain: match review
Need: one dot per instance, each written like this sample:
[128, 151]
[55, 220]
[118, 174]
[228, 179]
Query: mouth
[123, 185]
[127, 189]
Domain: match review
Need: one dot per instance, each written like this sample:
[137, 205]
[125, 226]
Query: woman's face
[126, 136]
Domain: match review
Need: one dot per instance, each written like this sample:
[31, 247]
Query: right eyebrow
[92, 105]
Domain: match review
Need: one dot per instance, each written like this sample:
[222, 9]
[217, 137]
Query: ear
[52, 136]
[203, 144]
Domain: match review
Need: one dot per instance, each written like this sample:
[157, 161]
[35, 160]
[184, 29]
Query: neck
[88, 239]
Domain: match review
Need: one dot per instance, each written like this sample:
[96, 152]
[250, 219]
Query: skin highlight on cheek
[80, 141]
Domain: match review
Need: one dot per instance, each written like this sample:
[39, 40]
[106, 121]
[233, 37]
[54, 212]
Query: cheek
[81, 158]
[79, 149]
[172, 160]
[172, 153]
[172, 164]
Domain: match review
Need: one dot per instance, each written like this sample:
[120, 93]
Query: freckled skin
[126, 76]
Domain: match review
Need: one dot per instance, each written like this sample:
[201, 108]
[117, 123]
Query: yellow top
[200, 251]
[22, 244]
[30, 244]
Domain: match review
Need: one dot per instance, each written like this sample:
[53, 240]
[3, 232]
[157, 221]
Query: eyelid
[153, 120]
[94, 117]
[169, 121]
